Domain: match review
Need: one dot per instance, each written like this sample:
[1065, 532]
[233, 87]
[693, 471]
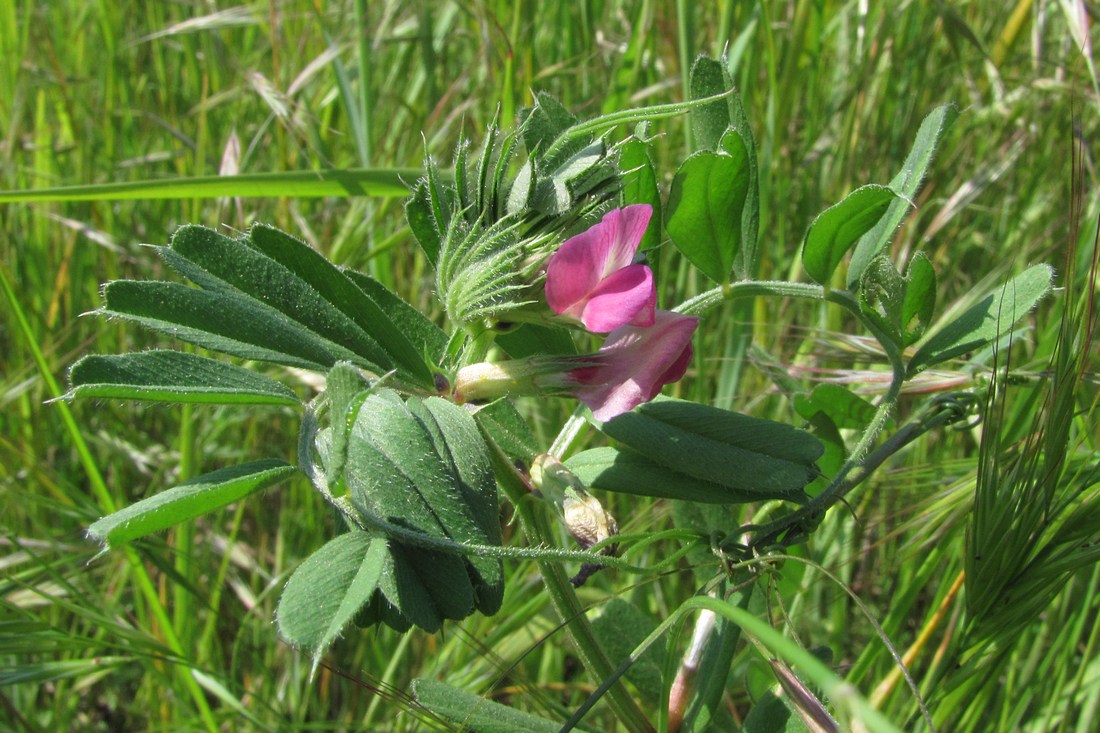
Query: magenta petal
[628, 296]
[620, 233]
[571, 274]
[635, 363]
[675, 372]
[576, 270]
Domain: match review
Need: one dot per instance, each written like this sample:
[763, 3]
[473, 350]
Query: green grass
[138, 103]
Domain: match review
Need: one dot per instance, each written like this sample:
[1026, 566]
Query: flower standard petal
[578, 271]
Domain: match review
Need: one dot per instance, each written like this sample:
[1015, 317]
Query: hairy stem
[564, 598]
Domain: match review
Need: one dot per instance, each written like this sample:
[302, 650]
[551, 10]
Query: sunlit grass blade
[380, 182]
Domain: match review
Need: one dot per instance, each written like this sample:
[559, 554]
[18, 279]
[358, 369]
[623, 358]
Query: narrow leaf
[745, 265]
[710, 121]
[843, 407]
[429, 339]
[837, 228]
[705, 207]
[530, 339]
[174, 376]
[422, 221]
[287, 275]
[187, 501]
[395, 472]
[346, 389]
[620, 628]
[882, 296]
[920, 299]
[906, 183]
[640, 187]
[405, 586]
[336, 289]
[507, 428]
[231, 324]
[987, 320]
[544, 121]
[629, 472]
[471, 512]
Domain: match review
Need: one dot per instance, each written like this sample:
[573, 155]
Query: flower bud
[582, 513]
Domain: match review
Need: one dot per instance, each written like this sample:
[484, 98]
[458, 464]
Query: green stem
[749, 289]
[942, 412]
[628, 116]
[363, 59]
[842, 695]
[839, 486]
[685, 52]
[217, 586]
[565, 600]
[184, 540]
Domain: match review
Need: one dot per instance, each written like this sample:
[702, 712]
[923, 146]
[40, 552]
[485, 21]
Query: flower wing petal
[627, 296]
[637, 363]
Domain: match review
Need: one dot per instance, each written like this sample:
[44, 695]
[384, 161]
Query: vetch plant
[415, 439]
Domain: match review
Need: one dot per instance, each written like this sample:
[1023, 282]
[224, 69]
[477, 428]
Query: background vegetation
[177, 634]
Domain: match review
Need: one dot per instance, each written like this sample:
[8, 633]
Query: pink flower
[591, 277]
[633, 364]
[629, 369]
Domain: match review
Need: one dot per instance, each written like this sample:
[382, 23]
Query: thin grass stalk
[362, 131]
[685, 54]
[183, 603]
[204, 647]
[1090, 716]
